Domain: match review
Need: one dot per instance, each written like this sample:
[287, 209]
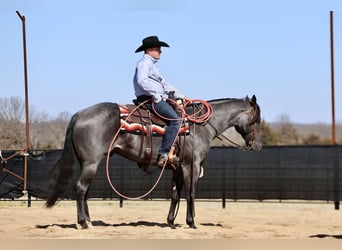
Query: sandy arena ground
[147, 220]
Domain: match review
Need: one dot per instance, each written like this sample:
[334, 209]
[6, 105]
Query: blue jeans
[164, 109]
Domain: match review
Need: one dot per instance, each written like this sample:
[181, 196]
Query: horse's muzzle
[255, 146]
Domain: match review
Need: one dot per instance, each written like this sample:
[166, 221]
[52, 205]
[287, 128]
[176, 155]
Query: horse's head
[248, 125]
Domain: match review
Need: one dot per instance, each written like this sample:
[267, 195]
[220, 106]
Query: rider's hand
[158, 99]
[186, 100]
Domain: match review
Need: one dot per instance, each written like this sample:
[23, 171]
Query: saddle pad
[133, 126]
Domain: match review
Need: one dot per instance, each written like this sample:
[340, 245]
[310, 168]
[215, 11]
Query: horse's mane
[225, 100]
[217, 101]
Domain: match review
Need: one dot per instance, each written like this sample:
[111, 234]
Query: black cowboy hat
[150, 42]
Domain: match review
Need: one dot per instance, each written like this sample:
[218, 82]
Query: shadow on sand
[322, 236]
[100, 223]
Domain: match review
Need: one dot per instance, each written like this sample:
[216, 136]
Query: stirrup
[173, 158]
[162, 158]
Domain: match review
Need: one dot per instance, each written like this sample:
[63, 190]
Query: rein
[254, 122]
[223, 137]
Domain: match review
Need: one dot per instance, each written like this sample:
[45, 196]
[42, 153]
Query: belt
[142, 98]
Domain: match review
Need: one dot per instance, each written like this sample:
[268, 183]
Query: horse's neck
[225, 115]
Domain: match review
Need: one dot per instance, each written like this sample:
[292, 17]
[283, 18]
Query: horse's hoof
[192, 225]
[171, 224]
[84, 225]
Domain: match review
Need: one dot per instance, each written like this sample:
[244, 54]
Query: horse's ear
[253, 101]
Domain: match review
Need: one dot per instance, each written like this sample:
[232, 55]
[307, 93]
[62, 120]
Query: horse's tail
[63, 169]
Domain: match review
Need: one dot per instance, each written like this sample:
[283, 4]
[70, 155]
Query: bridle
[253, 121]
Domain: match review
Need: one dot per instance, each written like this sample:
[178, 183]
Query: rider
[150, 84]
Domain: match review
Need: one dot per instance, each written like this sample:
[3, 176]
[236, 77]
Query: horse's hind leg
[87, 174]
[177, 184]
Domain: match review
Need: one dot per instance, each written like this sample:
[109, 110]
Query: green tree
[268, 136]
[312, 139]
[287, 133]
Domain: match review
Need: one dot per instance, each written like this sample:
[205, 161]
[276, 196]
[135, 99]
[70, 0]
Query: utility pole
[27, 148]
[332, 78]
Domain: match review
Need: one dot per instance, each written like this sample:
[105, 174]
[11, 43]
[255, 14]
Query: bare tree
[49, 133]
[45, 133]
[12, 109]
[12, 112]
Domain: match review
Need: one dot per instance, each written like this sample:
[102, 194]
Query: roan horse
[91, 131]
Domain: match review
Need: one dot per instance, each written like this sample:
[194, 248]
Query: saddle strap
[148, 147]
[148, 151]
[141, 148]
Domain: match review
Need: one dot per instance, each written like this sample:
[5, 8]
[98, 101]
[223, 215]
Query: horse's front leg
[190, 175]
[177, 184]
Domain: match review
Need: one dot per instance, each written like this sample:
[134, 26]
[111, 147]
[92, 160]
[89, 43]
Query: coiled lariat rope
[201, 116]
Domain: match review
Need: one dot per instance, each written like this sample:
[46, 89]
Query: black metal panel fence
[280, 173]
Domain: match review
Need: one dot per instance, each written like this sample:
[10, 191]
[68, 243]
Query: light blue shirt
[148, 80]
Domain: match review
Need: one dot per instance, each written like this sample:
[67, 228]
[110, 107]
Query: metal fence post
[336, 178]
[224, 185]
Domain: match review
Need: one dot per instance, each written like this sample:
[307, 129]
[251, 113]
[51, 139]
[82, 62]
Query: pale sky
[82, 52]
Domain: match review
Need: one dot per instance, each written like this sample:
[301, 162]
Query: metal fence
[277, 173]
